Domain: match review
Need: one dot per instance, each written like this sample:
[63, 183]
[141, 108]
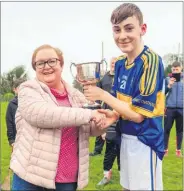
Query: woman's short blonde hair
[47, 46]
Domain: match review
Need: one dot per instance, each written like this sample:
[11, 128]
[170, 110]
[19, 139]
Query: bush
[8, 97]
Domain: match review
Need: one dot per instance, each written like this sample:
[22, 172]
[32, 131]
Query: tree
[4, 85]
[168, 59]
[167, 70]
[7, 79]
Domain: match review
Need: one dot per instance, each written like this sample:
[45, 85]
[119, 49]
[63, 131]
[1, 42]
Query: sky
[78, 29]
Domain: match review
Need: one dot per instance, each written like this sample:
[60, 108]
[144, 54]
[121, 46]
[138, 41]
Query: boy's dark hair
[124, 11]
[17, 82]
[176, 64]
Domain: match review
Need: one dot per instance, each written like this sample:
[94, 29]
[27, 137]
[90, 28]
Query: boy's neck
[133, 55]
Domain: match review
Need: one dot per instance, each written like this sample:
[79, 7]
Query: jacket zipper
[176, 94]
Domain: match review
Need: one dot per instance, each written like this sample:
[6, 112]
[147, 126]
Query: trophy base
[92, 106]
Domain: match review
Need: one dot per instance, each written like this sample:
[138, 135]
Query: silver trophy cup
[91, 73]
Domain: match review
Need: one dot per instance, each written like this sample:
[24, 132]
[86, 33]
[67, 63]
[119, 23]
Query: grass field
[172, 166]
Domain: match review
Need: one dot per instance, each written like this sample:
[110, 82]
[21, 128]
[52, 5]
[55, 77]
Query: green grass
[172, 170]
[172, 166]
[5, 148]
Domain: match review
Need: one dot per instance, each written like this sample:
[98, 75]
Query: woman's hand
[98, 118]
[111, 117]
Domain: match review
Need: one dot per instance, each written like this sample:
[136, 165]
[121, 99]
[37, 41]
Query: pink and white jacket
[39, 120]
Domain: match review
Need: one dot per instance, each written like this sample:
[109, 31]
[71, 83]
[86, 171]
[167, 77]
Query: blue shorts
[19, 184]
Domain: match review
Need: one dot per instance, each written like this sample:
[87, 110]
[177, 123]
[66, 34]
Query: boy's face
[177, 69]
[16, 90]
[127, 34]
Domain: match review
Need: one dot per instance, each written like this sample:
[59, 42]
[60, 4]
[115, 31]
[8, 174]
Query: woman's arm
[95, 130]
[40, 113]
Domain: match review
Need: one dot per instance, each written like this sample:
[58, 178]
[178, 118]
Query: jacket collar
[69, 89]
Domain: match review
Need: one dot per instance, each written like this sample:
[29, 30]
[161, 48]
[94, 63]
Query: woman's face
[48, 67]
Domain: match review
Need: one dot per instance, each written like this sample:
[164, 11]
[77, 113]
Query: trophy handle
[72, 64]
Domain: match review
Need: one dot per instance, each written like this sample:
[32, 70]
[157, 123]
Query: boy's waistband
[129, 136]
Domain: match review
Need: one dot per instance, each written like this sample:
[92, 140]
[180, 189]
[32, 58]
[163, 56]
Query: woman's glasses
[51, 62]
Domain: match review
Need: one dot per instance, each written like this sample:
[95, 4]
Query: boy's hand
[111, 117]
[98, 118]
[171, 82]
[93, 93]
[103, 136]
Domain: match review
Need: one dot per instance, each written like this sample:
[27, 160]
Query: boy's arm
[147, 99]
[167, 89]
[123, 108]
[10, 123]
[166, 86]
[99, 84]
[120, 108]
[169, 84]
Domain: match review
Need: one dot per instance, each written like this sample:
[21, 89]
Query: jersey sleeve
[149, 98]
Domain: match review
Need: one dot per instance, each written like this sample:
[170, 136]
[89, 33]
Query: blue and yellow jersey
[141, 84]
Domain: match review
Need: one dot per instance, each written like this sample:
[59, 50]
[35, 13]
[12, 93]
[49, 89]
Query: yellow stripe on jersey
[142, 82]
[154, 70]
[129, 66]
[120, 57]
[125, 98]
[142, 111]
[148, 80]
[150, 70]
[158, 110]
[160, 104]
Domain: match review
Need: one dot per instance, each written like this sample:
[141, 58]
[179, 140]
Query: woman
[52, 142]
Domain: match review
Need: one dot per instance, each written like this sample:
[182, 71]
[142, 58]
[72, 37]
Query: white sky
[78, 29]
